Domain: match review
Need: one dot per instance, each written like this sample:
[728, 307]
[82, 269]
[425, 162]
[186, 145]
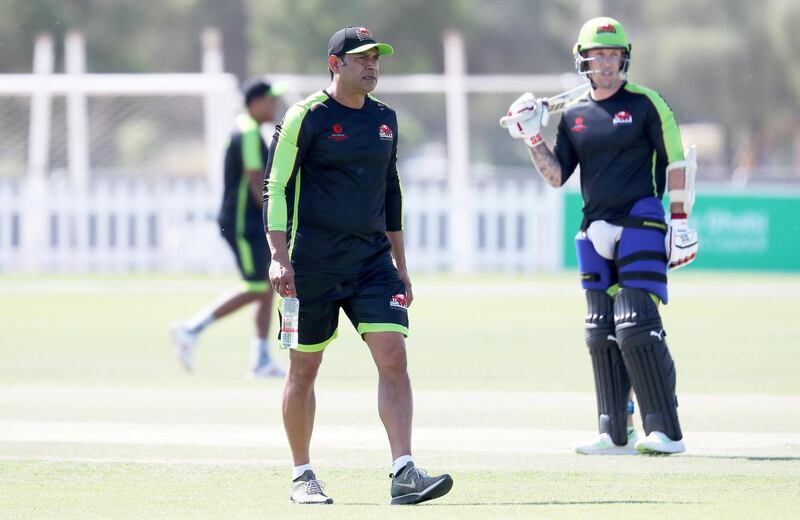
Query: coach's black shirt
[623, 145]
[332, 183]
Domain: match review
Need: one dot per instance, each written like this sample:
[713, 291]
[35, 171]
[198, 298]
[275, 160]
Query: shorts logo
[398, 301]
[623, 118]
[385, 132]
[363, 34]
[579, 126]
[608, 28]
[338, 133]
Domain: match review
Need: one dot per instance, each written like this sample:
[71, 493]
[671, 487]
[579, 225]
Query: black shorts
[252, 257]
[374, 301]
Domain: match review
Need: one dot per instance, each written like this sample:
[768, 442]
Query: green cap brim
[384, 49]
[278, 89]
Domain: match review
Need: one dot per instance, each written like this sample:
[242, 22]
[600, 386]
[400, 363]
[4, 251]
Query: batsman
[626, 141]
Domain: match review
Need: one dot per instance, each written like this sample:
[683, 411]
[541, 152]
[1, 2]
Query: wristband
[534, 140]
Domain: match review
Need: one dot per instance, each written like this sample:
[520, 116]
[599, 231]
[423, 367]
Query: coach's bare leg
[395, 403]
[263, 313]
[299, 403]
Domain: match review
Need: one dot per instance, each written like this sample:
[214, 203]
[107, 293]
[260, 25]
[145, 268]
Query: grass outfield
[97, 421]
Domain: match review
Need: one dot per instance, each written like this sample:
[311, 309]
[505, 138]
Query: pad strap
[640, 223]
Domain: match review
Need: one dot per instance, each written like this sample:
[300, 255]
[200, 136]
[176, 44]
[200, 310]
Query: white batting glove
[525, 118]
[681, 243]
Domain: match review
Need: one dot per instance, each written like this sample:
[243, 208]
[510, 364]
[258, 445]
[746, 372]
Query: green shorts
[374, 301]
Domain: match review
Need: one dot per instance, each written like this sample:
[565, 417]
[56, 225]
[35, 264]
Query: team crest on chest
[579, 126]
[623, 118]
[385, 132]
[337, 133]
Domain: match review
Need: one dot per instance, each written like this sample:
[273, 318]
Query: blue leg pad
[641, 256]
[597, 273]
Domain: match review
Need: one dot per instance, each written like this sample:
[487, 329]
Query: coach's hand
[281, 276]
[403, 274]
[526, 116]
[681, 242]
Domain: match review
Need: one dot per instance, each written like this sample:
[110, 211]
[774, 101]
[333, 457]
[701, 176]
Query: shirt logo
[385, 132]
[579, 126]
[338, 133]
[398, 301]
[363, 34]
[623, 118]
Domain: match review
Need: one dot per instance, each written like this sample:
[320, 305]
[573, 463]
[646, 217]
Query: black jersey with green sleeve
[623, 145]
[332, 184]
[241, 212]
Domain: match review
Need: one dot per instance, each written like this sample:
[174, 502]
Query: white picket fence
[133, 225]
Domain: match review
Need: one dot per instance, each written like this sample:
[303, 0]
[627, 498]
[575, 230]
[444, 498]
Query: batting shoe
[184, 341]
[306, 489]
[603, 445]
[412, 485]
[657, 443]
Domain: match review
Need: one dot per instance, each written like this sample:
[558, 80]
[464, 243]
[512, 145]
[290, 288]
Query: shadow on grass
[743, 457]
[543, 503]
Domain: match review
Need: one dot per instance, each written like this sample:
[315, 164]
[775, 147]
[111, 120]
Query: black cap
[352, 40]
[255, 88]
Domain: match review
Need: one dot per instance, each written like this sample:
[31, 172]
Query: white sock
[299, 470]
[400, 463]
[200, 321]
[261, 350]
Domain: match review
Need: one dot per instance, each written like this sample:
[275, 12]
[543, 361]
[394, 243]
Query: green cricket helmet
[601, 33]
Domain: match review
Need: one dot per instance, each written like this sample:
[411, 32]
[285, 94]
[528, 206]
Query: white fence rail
[123, 225]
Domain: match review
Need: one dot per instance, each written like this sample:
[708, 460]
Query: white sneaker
[658, 443]
[267, 371]
[184, 342]
[603, 445]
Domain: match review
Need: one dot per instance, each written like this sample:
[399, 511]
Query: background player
[627, 143]
[241, 225]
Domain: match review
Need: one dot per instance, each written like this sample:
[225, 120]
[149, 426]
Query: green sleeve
[283, 164]
[664, 129]
[251, 143]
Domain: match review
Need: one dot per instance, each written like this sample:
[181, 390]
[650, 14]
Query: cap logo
[608, 28]
[363, 34]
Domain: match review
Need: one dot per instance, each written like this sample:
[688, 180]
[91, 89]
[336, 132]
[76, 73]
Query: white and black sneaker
[412, 485]
[306, 489]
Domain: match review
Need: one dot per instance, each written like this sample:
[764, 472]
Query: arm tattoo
[546, 163]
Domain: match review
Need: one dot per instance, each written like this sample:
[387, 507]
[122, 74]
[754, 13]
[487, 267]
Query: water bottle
[290, 322]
